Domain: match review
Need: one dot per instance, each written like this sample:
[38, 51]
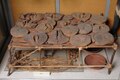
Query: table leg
[9, 72]
[10, 69]
[111, 61]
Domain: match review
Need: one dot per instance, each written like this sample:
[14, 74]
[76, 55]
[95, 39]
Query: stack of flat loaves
[77, 29]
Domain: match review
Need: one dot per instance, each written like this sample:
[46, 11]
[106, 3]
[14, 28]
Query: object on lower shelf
[94, 50]
[54, 61]
[95, 59]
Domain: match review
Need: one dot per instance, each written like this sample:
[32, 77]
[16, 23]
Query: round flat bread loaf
[18, 31]
[30, 25]
[46, 25]
[51, 22]
[70, 30]
[20, 23]
[67, 17]
[98, 19]
[103, 38]
[57, 37]
[74, 21]
[37, 17]
[96, 28]
[63, 23]
[92, 36]
[104, 28]
[80, 40]
[41, 27]
[90, 22]
[84, 28]
[36, 38]
[76, 15]
[62, 38]
[26, 16]
[85, 16]
[48, 15]
[101, 27]
[57, 17]
[53, 37]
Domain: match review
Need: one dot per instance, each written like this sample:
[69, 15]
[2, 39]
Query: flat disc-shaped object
[85, 16]
[49, 28]
[98, 19]
[80, 40]
[84, 28]
[37, 17]
[67, 17]
[37, 38]
[62, 38]
[92, 36]
[22, 16]
[30, 25]
[18, 31]
[41, 27]
[74, 21]
[70, 30]
[51, 22]
[48, 15]
[76, 15]
[63, 23]
[20, 23]
[29, 16]
[90, 22]
[25, 16]
[95, 59]
[50, 25]
[53, 37]
[104, 28]
[46, 26]
[57, 17]
[103, 38]
[101, 27]
[96, 28]
[57, 37]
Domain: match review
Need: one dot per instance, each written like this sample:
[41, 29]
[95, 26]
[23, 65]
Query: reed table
[19, 44]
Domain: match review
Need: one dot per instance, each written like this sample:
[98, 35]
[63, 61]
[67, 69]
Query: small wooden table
[20, 44]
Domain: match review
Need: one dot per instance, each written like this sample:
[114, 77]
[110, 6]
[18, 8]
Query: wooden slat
[64, 66]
